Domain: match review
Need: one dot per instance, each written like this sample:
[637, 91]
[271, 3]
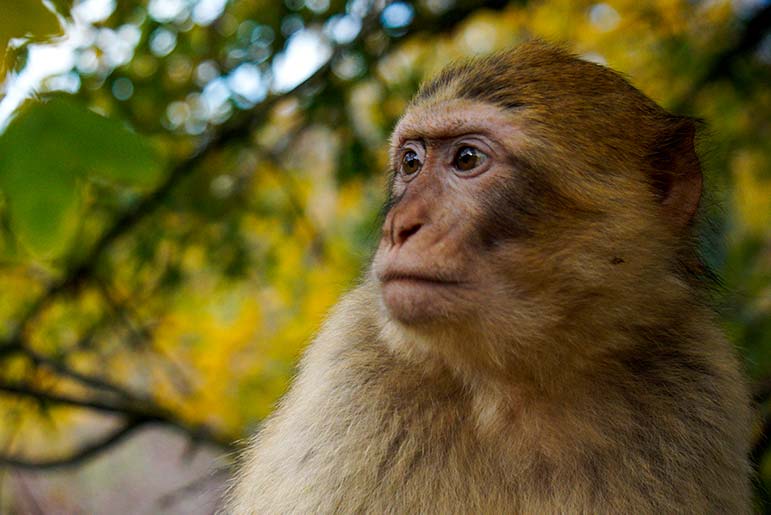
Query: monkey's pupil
[410, 162]
[467, 159]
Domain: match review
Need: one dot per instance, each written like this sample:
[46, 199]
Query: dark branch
[145, 410]
[41, 395]
[79, 456]
[83, 378]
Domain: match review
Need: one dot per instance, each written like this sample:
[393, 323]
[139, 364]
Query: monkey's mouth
[417, 278]
[414, 297]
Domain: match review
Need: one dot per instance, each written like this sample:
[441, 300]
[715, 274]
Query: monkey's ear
[677, 176]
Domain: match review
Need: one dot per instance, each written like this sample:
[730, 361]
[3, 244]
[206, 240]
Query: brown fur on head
[589, 193]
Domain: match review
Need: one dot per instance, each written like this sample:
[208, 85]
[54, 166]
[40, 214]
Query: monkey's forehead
[457, 117]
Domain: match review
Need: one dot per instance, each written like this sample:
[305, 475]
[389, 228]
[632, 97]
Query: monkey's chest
[427, 455]
[424, 456]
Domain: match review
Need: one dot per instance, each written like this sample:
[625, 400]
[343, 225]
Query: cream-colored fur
[365, 429]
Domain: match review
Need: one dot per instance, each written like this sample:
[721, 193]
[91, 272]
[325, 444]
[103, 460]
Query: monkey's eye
[468, 158]
[410, 162]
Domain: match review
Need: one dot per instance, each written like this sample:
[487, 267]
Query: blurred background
[187, 186]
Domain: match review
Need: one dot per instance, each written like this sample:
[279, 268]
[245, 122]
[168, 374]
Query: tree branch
[27, 390]
[88, 380]
[79, 456]
[144, 409]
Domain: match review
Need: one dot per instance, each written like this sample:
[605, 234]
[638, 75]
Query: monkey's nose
[404, 233]
[406, 220]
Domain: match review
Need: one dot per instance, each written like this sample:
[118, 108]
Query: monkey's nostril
[405, 233]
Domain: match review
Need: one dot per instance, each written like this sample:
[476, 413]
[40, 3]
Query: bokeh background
[186, 186]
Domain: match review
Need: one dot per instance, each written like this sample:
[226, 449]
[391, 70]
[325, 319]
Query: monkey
[534, 333]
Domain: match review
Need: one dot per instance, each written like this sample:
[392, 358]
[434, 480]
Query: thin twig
[145, 410]
[79, 456]
[89, 380]
[33, 392]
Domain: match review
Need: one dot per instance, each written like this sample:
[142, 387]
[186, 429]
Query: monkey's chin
[415, 302]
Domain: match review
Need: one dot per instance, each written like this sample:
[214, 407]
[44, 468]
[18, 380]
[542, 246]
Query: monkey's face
[533, 207]
[495, 220]
[459, 202]
[508, 232]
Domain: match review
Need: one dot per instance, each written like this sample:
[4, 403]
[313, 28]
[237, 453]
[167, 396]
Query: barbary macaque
[534, 332]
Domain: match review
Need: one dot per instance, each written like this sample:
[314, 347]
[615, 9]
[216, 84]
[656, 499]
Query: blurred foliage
[196, 182]
[22, 22]
[78, 145]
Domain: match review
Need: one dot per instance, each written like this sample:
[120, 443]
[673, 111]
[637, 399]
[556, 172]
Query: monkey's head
[534, 192]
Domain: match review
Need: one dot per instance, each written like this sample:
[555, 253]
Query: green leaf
[44, 154]
[43, 209]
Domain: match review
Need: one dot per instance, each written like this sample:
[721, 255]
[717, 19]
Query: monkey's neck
[554, 361]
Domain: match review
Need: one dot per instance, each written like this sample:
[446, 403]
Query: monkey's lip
[416, 277]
